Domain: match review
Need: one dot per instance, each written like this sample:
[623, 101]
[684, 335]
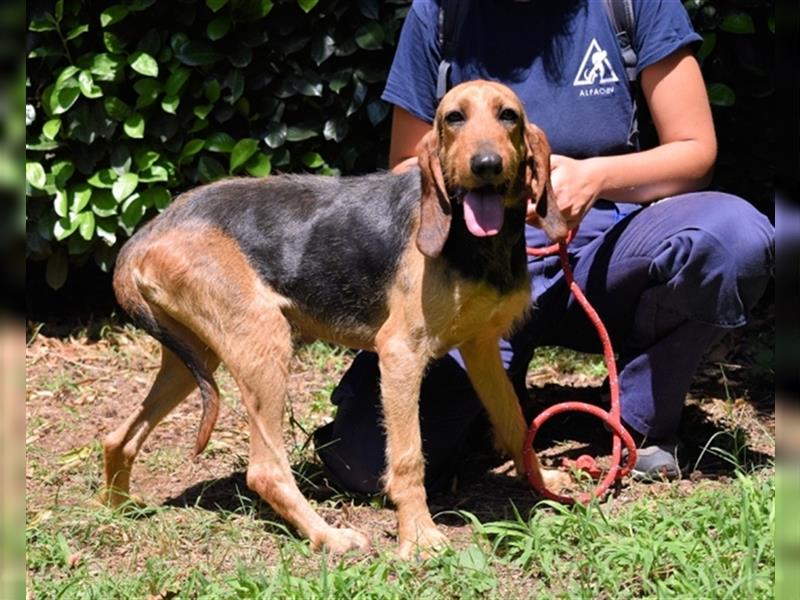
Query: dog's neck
[499, 260]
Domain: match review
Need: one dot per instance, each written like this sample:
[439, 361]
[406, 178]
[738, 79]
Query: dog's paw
[556, 481]
[340, 540]
[423, 545]
[123, 502]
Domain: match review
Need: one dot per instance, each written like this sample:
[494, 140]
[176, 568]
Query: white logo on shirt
[595, 67]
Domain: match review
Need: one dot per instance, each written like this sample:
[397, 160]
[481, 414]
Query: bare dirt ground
[81, 386]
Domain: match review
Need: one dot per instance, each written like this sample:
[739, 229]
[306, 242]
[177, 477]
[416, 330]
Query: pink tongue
[483, 212]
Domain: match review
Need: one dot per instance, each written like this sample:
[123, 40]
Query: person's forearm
[667, 170]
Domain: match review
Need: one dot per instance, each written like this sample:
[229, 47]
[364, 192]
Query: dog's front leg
[490, 380]
[401, 375]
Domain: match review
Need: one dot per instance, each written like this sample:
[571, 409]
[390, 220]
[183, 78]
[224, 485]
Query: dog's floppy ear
[435, 208]
[537, 180]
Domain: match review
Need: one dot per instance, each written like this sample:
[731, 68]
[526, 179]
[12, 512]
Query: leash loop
[612, 418]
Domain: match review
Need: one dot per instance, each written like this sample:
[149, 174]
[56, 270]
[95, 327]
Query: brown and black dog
[408, 265]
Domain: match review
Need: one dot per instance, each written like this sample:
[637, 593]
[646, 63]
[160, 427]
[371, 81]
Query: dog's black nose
[486, 164]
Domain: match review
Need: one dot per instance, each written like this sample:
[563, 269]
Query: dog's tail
[172, 334]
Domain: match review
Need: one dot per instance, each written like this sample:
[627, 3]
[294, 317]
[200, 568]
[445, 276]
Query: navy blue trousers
[668, 281]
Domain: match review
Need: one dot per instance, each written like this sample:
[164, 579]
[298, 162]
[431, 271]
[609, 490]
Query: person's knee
[720, 231]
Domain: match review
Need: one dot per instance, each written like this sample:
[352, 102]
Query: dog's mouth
[483, 209]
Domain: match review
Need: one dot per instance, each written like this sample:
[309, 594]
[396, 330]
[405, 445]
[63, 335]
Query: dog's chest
[479, 311]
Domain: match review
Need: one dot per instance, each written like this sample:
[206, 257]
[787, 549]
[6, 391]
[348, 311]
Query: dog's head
[483, 152]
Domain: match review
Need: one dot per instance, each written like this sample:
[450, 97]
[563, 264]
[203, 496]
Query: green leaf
[63, 228]
[298, 133]
[377, 110]
[59, 10]
[340, 79]
[87, 85]
[45, 52]
[241, 153]
[134, 126]
[125, 186]
[35, 175]
[212, 90]
[358, 98]
[738, 23]
[201, 111]
[308, 85]
[66, 74]
[113, 14]
[154, 173]
[307, 5]
[196, 54]
[370, 36]
[144, 64]
[215, 5]
[81, 195]
[58, 100]
[62, 170]
[176, 80]
[132, 213]
[156, 196]
[42, 25]
[235, 82]
[259, 165]
[107, 230]
[170, 104]
[209, 169]
[220, 142]
[322, 47]
[107, 67]
[720, 94]
[56, 271]
[103, 203]
[336, 129]
[313, 160]
[707, 47]
[112, 42]
[76, 32]
[61, 203]
[191, 148]
[51, 128]
[276, 134]
[120, 159]
[85, 221]
[218, 28]
[148, 90]
[144, 158]
[104, 178]
[116, 108]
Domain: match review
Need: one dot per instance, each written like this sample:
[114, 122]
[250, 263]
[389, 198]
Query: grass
[714, 542]
[694, 540]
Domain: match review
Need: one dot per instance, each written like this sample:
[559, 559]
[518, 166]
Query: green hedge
[129, 104]
[132, 103]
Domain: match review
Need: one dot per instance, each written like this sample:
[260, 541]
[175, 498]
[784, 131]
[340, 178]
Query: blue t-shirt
[560, 56]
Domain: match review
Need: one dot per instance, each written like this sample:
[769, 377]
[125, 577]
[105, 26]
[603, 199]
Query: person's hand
[576, 185]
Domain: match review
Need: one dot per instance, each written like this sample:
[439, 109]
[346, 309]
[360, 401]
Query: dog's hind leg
[173, 383]
[260, 367]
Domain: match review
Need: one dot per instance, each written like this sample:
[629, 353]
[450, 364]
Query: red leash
[612, 418]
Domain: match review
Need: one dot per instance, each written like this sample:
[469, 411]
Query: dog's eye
[509, 116]
[454, 117]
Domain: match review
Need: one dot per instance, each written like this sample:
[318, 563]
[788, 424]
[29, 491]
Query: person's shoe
[656, 462]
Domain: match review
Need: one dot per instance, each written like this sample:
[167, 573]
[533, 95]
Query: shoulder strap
[622, 17]
[621, 14]
[451, 16]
